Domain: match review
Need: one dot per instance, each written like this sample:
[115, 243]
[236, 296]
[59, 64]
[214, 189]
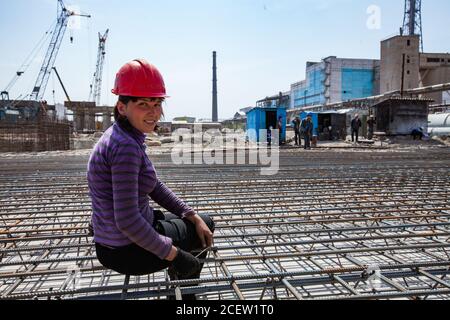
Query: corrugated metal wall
[357, 83]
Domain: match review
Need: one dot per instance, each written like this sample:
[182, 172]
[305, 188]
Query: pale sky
[262, 45]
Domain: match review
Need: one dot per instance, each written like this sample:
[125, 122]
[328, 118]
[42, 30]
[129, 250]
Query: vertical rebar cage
[34, 136]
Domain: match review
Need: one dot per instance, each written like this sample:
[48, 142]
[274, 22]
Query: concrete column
[90, 120]
[106, 120]
[78, 120]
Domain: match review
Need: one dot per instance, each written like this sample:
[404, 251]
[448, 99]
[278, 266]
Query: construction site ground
[337, 222]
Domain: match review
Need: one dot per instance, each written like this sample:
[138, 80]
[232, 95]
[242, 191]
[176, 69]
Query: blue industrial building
[334, 80]
[329, 81]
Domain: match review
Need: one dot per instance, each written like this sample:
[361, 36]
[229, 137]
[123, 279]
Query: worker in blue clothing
[418, 133]
[307, 131]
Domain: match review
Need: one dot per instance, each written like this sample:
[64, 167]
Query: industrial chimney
[214, 92]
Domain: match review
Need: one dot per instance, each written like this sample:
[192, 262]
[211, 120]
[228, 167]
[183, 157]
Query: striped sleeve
[125, 167]
[165, 197]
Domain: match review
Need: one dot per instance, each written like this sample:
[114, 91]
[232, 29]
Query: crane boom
[58, 34]
[62, 84]
[96, 87]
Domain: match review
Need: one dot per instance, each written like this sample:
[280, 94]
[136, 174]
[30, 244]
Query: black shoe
[174, 276]
[189, 297]
[172, 273]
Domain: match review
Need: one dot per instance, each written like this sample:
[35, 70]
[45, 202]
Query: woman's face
[142, 114]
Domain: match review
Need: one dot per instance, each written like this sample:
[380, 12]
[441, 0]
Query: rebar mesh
[329, 225]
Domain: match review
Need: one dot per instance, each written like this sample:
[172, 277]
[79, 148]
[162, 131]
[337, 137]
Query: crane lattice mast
[96, 87]
[412, 20]
[58, 34]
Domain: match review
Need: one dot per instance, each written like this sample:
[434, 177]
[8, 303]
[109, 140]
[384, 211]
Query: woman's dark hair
[122, 120]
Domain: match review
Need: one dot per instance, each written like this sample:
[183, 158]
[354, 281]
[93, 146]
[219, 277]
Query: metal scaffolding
[329, 225]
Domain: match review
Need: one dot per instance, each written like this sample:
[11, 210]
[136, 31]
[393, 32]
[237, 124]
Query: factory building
[334, 80]
[401, 66]
[404, 66]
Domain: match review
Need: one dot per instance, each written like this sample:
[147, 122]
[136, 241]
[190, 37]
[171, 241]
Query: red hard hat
[138, 78]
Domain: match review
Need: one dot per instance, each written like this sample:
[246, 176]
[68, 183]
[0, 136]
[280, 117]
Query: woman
[130, 237]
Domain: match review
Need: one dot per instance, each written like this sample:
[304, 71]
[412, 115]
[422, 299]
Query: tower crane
[26, 64]
[96, 86]
[58, 34]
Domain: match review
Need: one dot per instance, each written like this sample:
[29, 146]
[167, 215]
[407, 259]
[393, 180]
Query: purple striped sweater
[121, 178]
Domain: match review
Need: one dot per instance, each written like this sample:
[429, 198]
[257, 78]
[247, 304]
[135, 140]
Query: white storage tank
[439, 124]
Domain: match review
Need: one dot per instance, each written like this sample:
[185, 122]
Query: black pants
[298, 140]
[135, 260]
[355, 132]
[307, 138]
[370, 134]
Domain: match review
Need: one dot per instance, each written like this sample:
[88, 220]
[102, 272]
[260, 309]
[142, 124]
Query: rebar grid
[329, 225]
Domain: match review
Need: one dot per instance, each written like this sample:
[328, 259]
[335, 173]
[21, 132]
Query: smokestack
[214, 93]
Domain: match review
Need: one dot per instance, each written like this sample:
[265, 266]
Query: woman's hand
[172, 254]
[202, 229]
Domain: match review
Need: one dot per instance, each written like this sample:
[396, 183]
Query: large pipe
[430, 89]
[439, 124]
